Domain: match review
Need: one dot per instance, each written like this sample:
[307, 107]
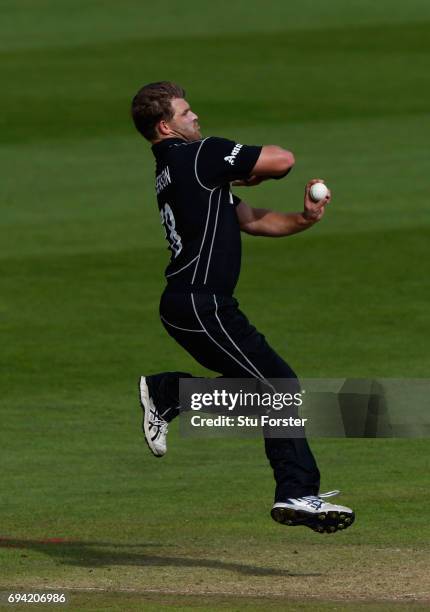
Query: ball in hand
[318, 191]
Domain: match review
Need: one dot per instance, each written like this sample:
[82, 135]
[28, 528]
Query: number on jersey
[168, 221]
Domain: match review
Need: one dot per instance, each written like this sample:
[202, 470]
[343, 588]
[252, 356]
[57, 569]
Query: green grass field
[84, 507]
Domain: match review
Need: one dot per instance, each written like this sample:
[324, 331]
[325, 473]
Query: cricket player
[202, 221]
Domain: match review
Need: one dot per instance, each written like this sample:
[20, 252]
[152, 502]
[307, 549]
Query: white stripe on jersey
[195, 165]
[183, 267]
[213, 237]
[204, 234]
[181, 328]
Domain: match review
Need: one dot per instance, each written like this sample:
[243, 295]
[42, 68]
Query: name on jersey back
[162, 180]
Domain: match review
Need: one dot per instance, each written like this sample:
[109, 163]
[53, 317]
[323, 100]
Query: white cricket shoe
[313, 512]
[154, 427]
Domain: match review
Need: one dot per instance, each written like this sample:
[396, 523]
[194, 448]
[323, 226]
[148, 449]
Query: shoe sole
[144, 402]
[321, 522]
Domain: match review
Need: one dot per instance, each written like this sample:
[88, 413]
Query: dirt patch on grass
[341, 573]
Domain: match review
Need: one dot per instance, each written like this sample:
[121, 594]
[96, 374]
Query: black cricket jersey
[198, 212]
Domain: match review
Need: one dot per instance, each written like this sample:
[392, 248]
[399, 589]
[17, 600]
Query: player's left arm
[263, 222]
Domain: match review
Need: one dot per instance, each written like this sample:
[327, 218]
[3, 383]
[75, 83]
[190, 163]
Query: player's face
[184, 121]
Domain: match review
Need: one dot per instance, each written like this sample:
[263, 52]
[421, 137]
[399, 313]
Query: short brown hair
[152, 104]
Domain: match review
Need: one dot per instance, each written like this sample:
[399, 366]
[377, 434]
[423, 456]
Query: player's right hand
[313, 211]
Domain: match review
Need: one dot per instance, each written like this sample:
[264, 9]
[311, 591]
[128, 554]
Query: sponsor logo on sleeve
[232, 157]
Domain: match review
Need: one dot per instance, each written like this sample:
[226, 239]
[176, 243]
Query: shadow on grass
[104, 554]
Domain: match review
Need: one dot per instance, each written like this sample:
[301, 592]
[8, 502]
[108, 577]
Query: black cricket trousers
[212, 329]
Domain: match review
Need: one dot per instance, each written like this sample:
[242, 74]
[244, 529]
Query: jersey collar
[166, 143]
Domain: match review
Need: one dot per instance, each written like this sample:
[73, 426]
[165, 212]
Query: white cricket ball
[318, 191]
